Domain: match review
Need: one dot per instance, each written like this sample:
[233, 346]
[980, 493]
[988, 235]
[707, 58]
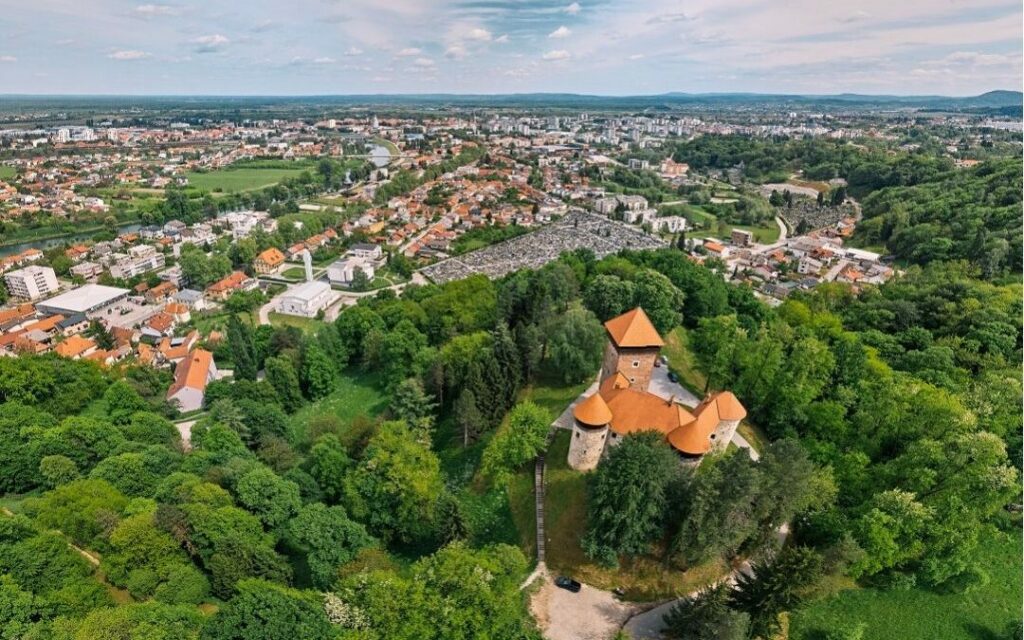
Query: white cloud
[323, 60]
[502, 39]
[572, 9]
[636, 56]
[560, 32]
[211, 42]
[353, 51]
[8, 59]
[157, 10]
[128, 54]
[478, 34]
[976, 58]
[455, 52]
[423, 63]
[557, 54]
[409, 52]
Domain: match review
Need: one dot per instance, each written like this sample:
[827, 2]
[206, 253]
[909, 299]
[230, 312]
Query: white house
[191, 376]
[306, 299]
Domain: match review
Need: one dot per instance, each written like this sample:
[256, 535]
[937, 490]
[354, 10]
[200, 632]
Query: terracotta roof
[634, 411]
[74, 346]
[633, 329]
[271, 257]
[192, 372]
[593, 411]
[231, 281]
[729, 406]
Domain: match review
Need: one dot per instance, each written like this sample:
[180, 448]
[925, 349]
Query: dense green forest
[971, 214]
[891, 414]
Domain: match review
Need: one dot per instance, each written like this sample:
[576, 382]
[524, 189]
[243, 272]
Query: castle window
[636, 364]
[712, 436]
[577, 434]
[632, 379]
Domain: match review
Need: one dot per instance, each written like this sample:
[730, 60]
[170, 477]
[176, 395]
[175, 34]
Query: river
[49, 243]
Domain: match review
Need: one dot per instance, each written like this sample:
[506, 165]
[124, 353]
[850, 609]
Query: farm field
[233, 180]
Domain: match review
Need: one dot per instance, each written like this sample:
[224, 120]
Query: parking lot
[126, 313]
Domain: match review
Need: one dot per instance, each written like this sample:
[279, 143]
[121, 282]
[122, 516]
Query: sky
[606, 47]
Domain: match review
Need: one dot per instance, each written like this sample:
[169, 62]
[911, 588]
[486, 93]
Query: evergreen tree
[506, 357]
[281, 376]
[774, 587]
[240, 345]
[628, 500]
[706, 616]
[468, 416]
[410, 403]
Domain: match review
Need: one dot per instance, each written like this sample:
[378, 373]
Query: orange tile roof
[161, 322]
[46, 324]
[714, 246]
[633, 329]
[74, 346]
[271, 257]
[192, 372]
[232, 281]
[593, 411]
[634, 411]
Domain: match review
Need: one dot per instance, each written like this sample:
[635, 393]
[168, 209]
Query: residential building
[268, 261]
[236, 281]
[138, 260]
[31, 282]
[191, 376]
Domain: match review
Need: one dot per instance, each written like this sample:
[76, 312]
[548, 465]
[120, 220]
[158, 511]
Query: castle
[622, 404]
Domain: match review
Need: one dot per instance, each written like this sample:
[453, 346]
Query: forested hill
[971, 214]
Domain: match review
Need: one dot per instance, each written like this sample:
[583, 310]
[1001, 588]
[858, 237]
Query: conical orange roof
[633, 329]
[593, 411]
[729, 406]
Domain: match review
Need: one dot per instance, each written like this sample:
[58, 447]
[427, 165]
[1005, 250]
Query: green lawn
[230, 180]
[7, 172]
[307, 325]
[921, 614]
[294, 273]
[358, 394]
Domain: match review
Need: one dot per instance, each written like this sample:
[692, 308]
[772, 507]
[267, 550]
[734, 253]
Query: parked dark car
[672, 376]
[568, 584]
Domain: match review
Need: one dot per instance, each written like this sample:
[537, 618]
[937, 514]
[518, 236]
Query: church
[623, 405]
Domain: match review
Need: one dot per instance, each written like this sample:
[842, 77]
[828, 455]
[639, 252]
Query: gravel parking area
[591, 614]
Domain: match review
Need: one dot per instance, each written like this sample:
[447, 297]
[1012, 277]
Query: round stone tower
[589, 432]
[730, 412]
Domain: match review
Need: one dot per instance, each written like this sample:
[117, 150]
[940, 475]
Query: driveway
[591, 614]
[662, 386]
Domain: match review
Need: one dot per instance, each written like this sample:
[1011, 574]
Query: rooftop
[85, 298]
[633, 329]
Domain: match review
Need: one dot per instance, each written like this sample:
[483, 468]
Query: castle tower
[589, 432]
[633, 347]
[730, 413]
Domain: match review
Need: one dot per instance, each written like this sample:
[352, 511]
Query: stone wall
[586, 446]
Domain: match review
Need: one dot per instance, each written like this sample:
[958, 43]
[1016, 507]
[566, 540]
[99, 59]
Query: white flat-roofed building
[344, 271]
[31, 282]
[85, 299]
[306, 299]
[139, 260]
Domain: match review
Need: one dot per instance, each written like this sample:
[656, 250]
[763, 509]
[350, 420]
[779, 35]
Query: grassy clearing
[232, 180]
[644, 579]
[357, 394]
[921, 614]
[681, 361]
[7, 172]
[307, 325]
